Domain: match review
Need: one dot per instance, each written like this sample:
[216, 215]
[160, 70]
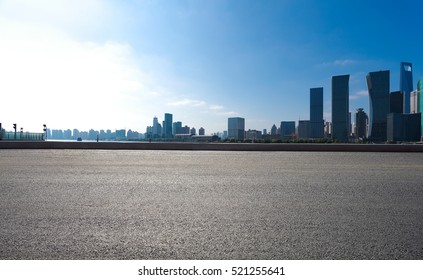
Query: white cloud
[359, 94]
[362, 93]
[231, 113]
[343, 62]
[187, 102]
[216, 107]
[339, 63]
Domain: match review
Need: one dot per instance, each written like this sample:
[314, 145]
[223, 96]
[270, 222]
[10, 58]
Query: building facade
[406, 85]
[304, 129]
[176, 128]
[404, 127]
[287, 129]
[340, 107]
[316, 113]
[378, 86]
[396, 102]
[236, 128]
[167, 125]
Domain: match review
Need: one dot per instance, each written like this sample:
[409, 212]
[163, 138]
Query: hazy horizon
[114, 65]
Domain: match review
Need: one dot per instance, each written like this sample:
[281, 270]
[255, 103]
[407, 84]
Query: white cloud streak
[187, 102]
[216, 107]
[359, 94]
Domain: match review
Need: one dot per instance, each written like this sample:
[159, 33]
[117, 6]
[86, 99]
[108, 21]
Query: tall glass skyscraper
[378, 85]
[316, 113]
[340, 107]
[236, 128]
[406, 84]
[167, 127]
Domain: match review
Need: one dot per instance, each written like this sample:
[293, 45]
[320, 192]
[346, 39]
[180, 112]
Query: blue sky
[117, 64]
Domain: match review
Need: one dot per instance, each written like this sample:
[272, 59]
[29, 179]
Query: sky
[117, 64]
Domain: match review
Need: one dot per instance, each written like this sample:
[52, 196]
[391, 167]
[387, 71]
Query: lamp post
[14, 127]
[45, 130]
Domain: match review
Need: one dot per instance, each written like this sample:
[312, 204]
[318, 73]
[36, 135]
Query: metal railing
[21, 136]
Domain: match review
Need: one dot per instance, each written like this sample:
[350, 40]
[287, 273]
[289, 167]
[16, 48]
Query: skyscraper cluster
[171, 130]
[393, 116]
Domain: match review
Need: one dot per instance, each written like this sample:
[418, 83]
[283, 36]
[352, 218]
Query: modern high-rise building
[378, 85]
[287, 129]
[201, 131]
[406, 84]
[361, 121]
[167, 126]
[236, 128]
[316, 113]
[340, 107]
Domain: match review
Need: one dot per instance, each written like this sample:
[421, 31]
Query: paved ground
[82, 204]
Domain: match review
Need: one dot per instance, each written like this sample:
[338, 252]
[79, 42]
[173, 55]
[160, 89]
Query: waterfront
[86, 204]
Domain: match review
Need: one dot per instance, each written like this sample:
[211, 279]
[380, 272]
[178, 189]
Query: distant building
[404, 127]
[120, 134]
[378, 85]
[361, 121]
[253, 134]
[205, 138]
[340, 107]
[225, 134]
[185, 130]
[414, 102]
[132, 135]
[274, 130]
[75, 134]
[236, 128]
[167, 127]
[157, 128]
[193, 131]
[149, 132]
[396, 102]
[406, 84]
[57, 134]
[201, 131]
[328, 129]
[304, 128]
[287, 129]
[92, 134]
[316, 113]
[102, 135]
[67, 134]
[264, 131]
[176, 128]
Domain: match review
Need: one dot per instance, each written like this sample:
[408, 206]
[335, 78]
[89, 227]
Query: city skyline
[107, 64]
